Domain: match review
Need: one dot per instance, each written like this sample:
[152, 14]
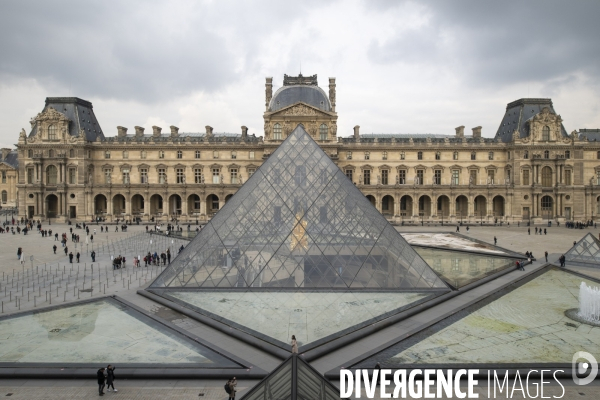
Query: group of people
[106, 377]
[118, 262]
[538, 231]
[579, 225]
[156, 259]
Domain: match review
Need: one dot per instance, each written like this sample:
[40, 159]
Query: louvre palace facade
[532, 170]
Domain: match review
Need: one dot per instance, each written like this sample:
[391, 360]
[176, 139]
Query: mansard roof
[81, 114]
[518, 113]
[12, 159]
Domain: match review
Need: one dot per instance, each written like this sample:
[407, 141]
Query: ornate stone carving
[516, 135]
[300, 109]
[267, 130]
[333, 128]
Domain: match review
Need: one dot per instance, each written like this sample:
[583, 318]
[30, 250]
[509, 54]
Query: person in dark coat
[100, 376]
[93, 254]
[78, 255]
[71, 257]
[54, 248]
[110, 377]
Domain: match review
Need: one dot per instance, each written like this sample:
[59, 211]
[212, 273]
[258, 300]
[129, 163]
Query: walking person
[19, 252]
[169, 256]
[100, 376]
[457, 228]
[232, 385]
[546, 255]
[71, 257]
[54, 248]
[93, 254]
[294, 345]
[544, 231]
[495, 241]
[110, 377]
[529, 231]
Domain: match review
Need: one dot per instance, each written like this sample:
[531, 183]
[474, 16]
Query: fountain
[589, 306]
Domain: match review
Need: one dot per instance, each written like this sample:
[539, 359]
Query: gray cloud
[498, 43]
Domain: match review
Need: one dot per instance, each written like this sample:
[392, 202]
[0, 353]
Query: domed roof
[309, 94]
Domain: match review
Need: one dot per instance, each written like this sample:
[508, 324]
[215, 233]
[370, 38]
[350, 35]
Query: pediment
[51, 115]
[300, 109]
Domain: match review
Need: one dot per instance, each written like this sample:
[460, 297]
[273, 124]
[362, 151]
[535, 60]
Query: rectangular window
[367, 177]
[216, 175]
[161, 154]
[30, 175]
[107, 154]
[473, 156]
[162, 175]
[251, 155]
[491, 177]
[491, 155]
[349, 155]
[234, 155]
[437, 177]
[508, 177]
[567, 154]
[473, 177]
[455, 155]
[384, 155]
[567, 177]
[143, 175]
[251, 172]
[215, 154]
[367, 155]
[125, 155]
[525, 177]
[384, 176]
[197, 154]
[143, 154]
[420, 175]
[455, 176]
[72, 176]
[3, 176]
[125, 176]
[419, 155]
[180, 175]
[198, 175]
[349, 174]
[402, 155]
[107, 174]
[402, 177]
[234, 176]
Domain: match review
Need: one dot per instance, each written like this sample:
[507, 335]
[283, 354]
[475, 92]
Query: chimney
[139, 131]
[156, 131]
[121, 131]
[244, 131]
[357, 132]
[209, 131]
[5, 153]
[174, 131]
[268, 92]
[332, 93]
[477, 132]
[460, 131]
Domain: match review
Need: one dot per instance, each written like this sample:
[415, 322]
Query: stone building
[9, 165]
[531, 170]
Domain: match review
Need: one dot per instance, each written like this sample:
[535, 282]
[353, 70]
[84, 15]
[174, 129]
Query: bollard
[65, 299]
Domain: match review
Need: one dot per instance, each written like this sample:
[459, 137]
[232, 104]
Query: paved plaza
[50, 279]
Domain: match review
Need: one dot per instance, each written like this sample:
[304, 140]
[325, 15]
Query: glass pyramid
[294, 379]
[587, 250]
[299, 222]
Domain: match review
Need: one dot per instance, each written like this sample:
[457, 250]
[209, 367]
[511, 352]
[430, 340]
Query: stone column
[184, 205]
[471, 205]
[128, 205]
[203, 205]
[415, 211]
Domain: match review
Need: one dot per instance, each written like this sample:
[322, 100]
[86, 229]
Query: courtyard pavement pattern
[556, 242]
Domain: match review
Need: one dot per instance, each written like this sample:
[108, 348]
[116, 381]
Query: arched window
[526, 154]
[51, 175]
[323, 132]
[546, 204]
[438, 155]
[546, 154]
[4, 197]
[547, 177]
[277, 132]
[545, 133]
[52, 132]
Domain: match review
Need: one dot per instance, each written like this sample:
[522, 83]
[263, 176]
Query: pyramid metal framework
[294, 379]
[299, 222]
[587, 251]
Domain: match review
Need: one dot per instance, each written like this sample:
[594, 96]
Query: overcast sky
[401, 66]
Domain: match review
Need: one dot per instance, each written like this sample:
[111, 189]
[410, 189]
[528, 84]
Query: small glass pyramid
[587, 250]
[299, 222]
[294, 379]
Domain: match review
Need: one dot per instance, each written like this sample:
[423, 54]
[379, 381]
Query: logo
[589, 365]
